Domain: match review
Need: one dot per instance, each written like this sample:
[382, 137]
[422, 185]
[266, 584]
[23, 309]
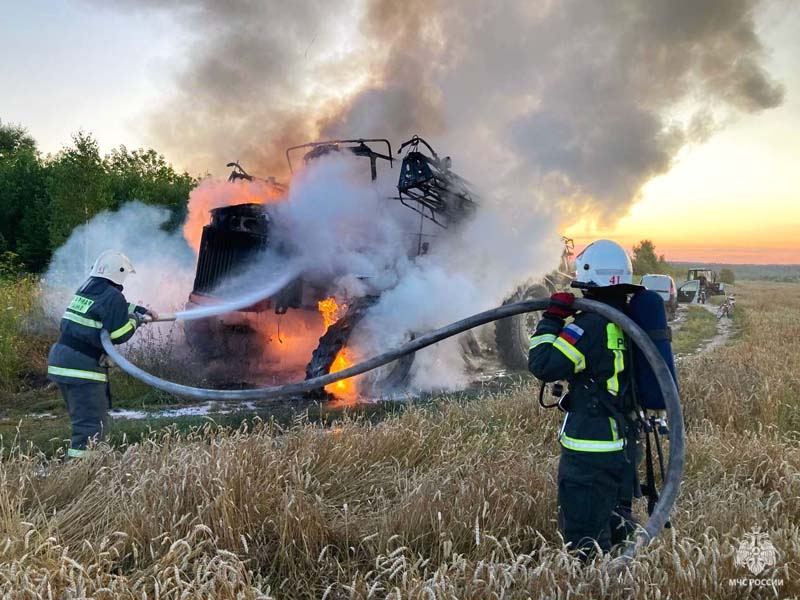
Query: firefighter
[597, 467]
[77, 362]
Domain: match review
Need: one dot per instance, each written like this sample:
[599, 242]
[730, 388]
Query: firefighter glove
[140, 319]
[560, 306]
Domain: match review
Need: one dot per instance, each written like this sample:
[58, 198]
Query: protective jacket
[98, 304]
[589, 353]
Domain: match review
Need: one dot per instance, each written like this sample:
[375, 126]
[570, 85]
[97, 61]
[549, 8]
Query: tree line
[646, 261]
[43, 198]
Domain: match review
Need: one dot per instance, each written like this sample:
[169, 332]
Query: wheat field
[451, 501]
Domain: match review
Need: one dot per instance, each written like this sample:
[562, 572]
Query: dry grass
[452, 502]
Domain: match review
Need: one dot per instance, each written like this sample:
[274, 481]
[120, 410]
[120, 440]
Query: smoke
[261, 76]
[347, 237]
[467, 271]
[163, 261]
[343, 227]
[571, 102]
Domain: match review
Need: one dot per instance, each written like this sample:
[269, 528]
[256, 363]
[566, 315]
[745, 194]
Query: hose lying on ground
[673, 476]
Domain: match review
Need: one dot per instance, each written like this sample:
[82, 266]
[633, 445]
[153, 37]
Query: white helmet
[603, 264]
[112, 265]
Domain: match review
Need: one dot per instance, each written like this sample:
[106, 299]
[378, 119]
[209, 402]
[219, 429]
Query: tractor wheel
[336, 338]
[512, 334]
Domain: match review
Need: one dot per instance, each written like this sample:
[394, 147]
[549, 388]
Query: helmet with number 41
[604, 264]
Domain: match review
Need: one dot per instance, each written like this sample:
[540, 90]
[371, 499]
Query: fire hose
[672, 477]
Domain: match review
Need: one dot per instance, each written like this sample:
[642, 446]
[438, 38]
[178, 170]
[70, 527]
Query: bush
[10, 265]
[25, 335]
[727, 276]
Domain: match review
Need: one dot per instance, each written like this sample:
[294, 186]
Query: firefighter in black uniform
[596, 473]
[76, 360]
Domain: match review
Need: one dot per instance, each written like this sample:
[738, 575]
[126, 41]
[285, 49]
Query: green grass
[49, 434]
[700, 325]
[25, 336]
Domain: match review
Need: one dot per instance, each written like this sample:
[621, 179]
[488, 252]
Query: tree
[727, 276]
[146, 176]
[24, 201]
[79, 187]
[15, 139]
[32, 240]
[43, 200]
[645, 259]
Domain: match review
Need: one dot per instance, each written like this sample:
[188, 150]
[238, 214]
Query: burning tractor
[303, 325]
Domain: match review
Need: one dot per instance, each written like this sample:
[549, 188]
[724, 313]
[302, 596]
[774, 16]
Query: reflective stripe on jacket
[589, 353]
[98, 304]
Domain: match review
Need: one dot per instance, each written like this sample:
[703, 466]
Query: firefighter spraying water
[77, 362]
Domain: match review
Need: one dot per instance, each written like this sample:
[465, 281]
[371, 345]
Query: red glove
[560, 305]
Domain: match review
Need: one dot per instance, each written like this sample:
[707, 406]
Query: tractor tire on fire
[512, 334]
[336, 338]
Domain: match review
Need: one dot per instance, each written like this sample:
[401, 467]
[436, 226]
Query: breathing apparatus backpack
[646, 308]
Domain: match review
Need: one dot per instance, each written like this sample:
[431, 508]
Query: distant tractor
[709, 286]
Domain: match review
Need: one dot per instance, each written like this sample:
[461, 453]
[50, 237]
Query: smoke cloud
[163, 261]
[565, 101]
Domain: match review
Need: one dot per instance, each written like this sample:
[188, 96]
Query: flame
[329, 309]
[210, 194]
[345, 389]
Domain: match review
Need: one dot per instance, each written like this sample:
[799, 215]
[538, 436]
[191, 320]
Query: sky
[735, 198]
[74, 65]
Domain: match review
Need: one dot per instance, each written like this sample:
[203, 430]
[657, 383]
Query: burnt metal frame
[360, 150]
[239, 173]
[432, 200]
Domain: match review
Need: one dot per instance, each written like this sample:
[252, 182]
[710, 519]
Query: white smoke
[465, 272]
[164, 265]
[163, 261]
[343, 226]
[347, 235]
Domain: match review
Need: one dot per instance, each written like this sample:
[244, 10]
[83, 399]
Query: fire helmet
[112, 265]
[604, 264]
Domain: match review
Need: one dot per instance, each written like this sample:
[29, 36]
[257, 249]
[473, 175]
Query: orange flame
[330, 311]
[346, 388]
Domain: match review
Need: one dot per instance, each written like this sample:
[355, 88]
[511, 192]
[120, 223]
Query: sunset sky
[734, 198]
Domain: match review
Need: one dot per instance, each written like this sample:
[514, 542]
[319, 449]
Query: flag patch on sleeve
[571, 333]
